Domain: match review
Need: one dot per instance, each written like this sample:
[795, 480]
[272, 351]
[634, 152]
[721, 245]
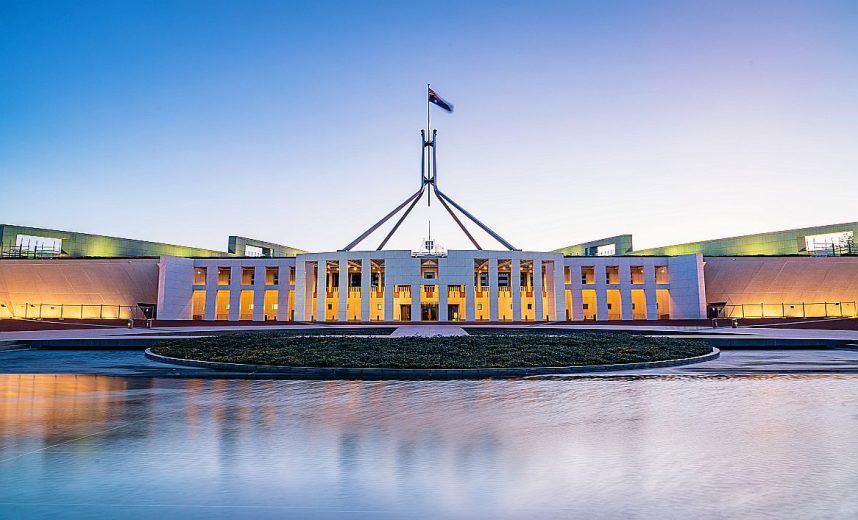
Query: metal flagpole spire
[426, 144]
[428, 112]
[428, 172]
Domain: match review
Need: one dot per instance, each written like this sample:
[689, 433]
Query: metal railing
[12, 250]
[62, 311]
[791, 310]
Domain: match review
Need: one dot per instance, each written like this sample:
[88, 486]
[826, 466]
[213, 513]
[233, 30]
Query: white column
[550, 287]
[283, 292]
[235, 294]
[301, 305]
[283, 295]
[321, 289]
[538, 314]
[211, 292]
[415, 302]
[577, 297]
[601, 292]
[470, 314]
[515, 282]
[365, 288]
[259, 293]
[558, 281]
[342, 302]
[515, 274]
[388, 295]
[626, 291]
[649, 287]
[493, 289]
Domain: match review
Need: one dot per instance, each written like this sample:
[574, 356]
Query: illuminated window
[248, 275]
[612, 274]
[504, 279]
[253, 251]
[200, 275]
[198, 305]
[224, 275]
[588, 274]
[41, 244]
[272, 275]
[606, 250]
[637, 274]
[661, 274]
[827, 241]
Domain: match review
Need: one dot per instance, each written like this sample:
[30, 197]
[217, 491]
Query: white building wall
[686, 284]
[176, 286]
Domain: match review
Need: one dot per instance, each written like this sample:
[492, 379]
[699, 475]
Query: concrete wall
[110, 282]
[775, 280]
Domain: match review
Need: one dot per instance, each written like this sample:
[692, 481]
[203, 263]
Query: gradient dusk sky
[297, 122]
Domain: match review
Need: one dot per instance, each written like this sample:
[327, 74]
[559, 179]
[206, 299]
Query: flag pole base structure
[429, 183]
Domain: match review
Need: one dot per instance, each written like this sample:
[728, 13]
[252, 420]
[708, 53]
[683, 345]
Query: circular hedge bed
[448, 352]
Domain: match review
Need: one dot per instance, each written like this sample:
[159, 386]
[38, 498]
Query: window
[503, 279]
[272, 276]
[429, 269]
[222, 305]
[482, 279]
[245, 305]
[253, 251]
[637, 274]
[588, 274]
[567, 274]
[827, 241]
[661, 274]
[39, 244]
[292, 275]
[224, 275]
[248, 275]
[200, 275]
[198, 305]
[612, 274]
[606, 250]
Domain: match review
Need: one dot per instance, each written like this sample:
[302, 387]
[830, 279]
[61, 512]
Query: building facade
[283, 284]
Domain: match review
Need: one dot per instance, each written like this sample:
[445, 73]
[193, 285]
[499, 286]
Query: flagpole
[428, 114]
[429, 164]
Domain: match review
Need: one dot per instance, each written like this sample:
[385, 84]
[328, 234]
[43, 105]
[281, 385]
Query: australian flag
[438, 100]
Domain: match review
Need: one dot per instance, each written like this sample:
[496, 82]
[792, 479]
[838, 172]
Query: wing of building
[51, 274]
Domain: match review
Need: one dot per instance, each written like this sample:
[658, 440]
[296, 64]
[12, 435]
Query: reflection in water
[55, 407]
[607, 447]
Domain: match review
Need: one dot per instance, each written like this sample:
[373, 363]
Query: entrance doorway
[405, 312]
[429, 312]
[453, 312]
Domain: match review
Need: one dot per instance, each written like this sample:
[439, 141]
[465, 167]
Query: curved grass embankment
[449, 352]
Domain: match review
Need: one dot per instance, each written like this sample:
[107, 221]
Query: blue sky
[297, 123]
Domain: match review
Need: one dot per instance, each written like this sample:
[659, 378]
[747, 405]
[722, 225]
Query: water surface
[619, 447]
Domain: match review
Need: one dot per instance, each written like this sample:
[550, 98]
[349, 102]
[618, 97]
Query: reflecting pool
[618, 447]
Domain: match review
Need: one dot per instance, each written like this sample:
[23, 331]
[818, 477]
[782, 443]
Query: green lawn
[489, 351]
